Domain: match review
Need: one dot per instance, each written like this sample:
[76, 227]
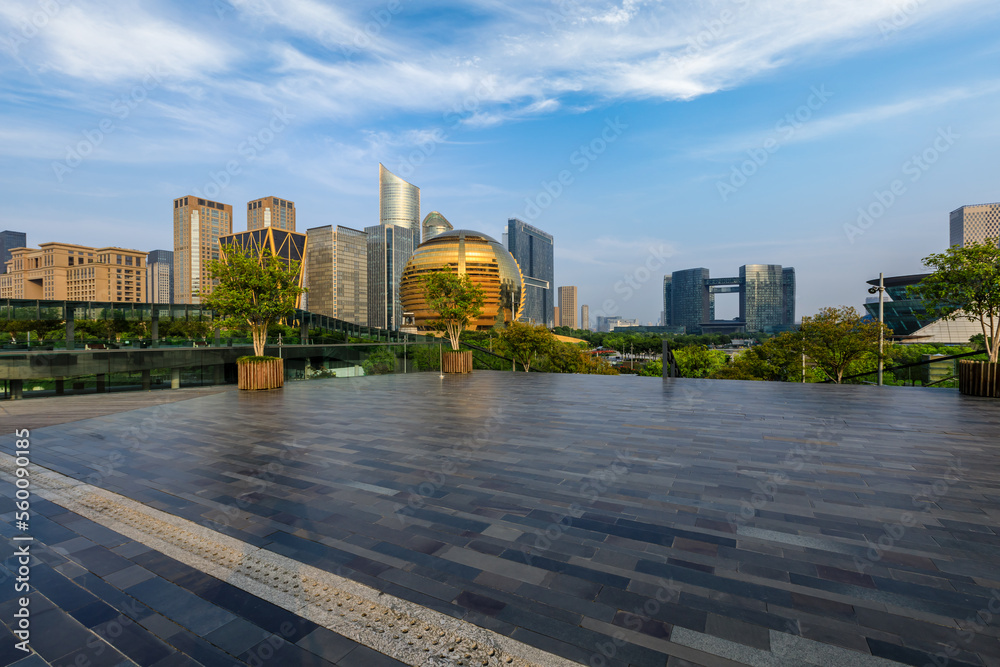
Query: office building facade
[198, 224]
[337, 273]
[585, 317]
[271, 212]
[766, 295]
[389, 248]
[533, 250]
[974, 224]
[70, 272]
[567, 307]
[160, 276]
[390, 245]
[8, 241]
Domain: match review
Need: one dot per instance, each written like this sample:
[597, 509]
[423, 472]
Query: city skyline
[834, 138]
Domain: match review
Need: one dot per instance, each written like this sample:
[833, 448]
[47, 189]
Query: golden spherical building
[475, 254]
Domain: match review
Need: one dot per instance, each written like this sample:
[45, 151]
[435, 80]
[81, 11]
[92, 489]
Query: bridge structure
[213, 359]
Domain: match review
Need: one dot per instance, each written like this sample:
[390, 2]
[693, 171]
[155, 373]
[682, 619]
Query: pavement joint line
[408, 632]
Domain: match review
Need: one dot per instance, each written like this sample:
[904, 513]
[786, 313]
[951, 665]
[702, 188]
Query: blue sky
[641, 133]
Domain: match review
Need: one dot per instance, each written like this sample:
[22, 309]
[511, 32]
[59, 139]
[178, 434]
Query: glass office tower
[390, 245]
[533, 250]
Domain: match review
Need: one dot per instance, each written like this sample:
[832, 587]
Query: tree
[966, 285]
[456, 300]
[525, 342]
[252, 291]
[836, 337]
[777, 359]
[697, 361]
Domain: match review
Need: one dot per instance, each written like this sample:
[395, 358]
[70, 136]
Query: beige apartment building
[271, 212]
[337, 273]
[198, 224]
[69, 272]
[567, 307]
[974, 224]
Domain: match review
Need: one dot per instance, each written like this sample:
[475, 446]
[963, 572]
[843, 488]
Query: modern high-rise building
[337, 273]
[555, 315]
[390, 244]
[762, 303]
[788, 294]
[399, 201]
[271, 212]
[975, 224]
[160, 276]
[435, 223]
[585, 317]
[533, 251]
[689, 298]
[8, 241]
[567, 307]
[766, 293]
[198, 224]
[70, 272]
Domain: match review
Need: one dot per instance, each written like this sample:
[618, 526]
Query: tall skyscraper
[390, 244]
[585, 317]
[9, 240]
[271, 212]
[766, 293]
[555, 315]
[533, 251]
[337, 273]
[435, 223]
[788, 295]
[762, 297]
[689, 297]
[160, 276]
[198, 224]
[667, 301]
[975, 224]
[567, 307]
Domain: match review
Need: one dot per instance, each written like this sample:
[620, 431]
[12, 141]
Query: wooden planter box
[979, 378]
[268, 374]
[458, 362]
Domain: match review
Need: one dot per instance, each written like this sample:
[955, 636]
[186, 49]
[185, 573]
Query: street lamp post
[881, 318]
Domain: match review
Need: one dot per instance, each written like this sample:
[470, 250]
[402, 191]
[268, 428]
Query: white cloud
[104, 45]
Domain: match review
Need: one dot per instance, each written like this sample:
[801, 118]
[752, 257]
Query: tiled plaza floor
[610, 520]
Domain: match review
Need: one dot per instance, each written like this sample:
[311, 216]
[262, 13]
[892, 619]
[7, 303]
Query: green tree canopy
[525, 342]
[456, 300]
[966, 285]
[836, 337]
[252, 291]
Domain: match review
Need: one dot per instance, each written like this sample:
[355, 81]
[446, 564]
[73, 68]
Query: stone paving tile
[723, 508]
[84, 617]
